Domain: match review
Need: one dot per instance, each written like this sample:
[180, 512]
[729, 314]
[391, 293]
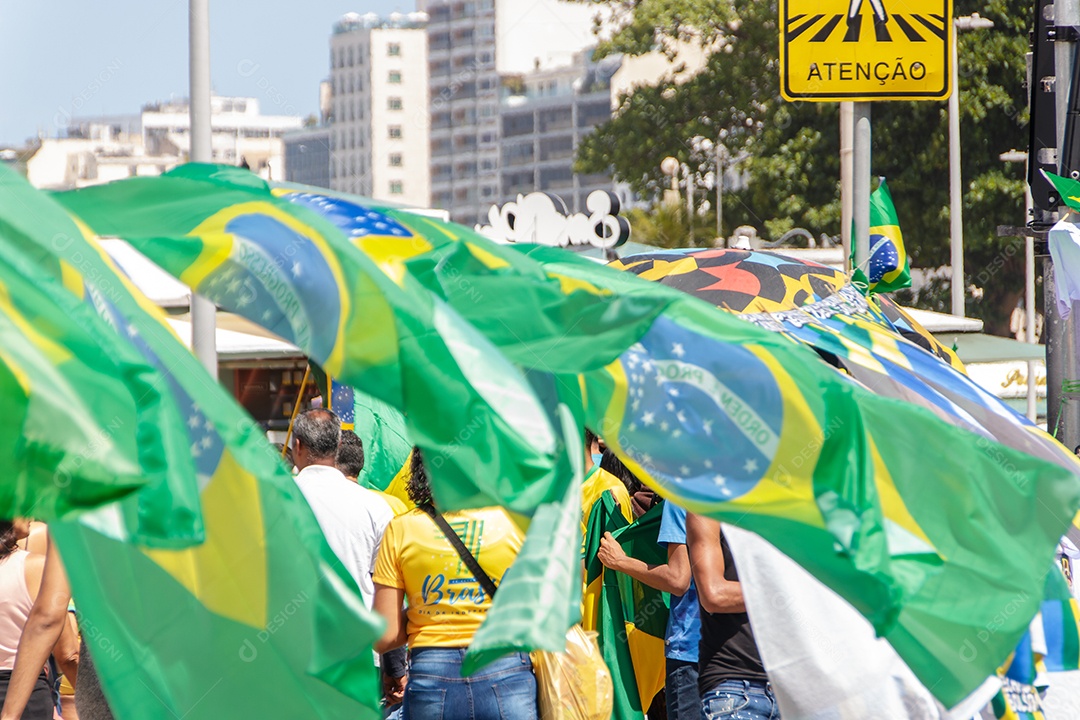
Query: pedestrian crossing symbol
[832, 50]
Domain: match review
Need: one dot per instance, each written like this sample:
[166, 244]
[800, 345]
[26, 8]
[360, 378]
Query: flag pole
[296, 408]
[203, 310]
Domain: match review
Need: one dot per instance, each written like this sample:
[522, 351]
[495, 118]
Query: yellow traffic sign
[832, 50]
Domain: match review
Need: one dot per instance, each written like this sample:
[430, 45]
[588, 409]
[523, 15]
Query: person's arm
[715, 594]
[66, 650]
[389, 603]
[672, 577]
[40, 634]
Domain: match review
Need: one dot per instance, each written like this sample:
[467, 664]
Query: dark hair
[350, 454]
[319, 431]
[418, 486]
[9, 540]
[611, 463]
[590, 438]
[1076, 450]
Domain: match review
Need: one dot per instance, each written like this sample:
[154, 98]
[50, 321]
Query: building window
[350, 57]
[393, 103]
[396, 187]
[395, 132]
[393, 49]
[394, 77]
[395, 160]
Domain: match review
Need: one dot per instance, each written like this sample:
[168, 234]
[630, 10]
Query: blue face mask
[596, 458]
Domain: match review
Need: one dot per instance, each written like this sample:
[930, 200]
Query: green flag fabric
[69, 401]
[926, 528]
[259, 619]
[889, 268]
[540, 595]
[280, 264]
[630, 617]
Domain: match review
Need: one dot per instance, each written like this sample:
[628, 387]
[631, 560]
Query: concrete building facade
[379, 122]
[307, 157]
[543, 125]
[97, 150]
[471, 45]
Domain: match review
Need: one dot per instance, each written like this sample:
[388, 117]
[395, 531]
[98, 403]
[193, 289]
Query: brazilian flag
[630, 617]
[255, 618]
[889, 268]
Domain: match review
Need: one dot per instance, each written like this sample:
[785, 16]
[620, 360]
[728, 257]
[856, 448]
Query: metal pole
[956, 222]
[720, 194]
[1062, 411]
[847, 127]
[860, 189]
[1029, 309]
[1029, 318]
[689, 202]
[203, 311]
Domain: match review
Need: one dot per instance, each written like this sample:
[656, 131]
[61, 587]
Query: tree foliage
[791, 150]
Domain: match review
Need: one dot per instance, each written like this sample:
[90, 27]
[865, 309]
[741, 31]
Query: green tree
[792, 149]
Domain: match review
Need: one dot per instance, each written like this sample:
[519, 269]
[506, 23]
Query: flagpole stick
[296, 408]
[860, 191]
[203, 310]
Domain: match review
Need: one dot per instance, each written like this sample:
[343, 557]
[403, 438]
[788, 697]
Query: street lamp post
[203, 310]
[1029, 286]
[956, 223]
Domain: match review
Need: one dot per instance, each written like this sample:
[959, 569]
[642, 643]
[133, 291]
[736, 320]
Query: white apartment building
[240, 133]
[379, 122]
[98, 150]
[471, 43]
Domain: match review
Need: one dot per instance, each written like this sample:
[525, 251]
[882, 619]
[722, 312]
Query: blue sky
[75, 57]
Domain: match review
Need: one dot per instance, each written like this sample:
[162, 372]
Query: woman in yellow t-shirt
[446, 604]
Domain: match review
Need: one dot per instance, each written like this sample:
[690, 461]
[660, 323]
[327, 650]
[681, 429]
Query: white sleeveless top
[15, 605]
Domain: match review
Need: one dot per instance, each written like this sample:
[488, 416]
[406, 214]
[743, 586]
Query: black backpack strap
[467, 557]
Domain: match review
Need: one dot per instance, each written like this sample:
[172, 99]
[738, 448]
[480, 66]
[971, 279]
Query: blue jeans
[436, 691]
[740, 700]
[681, 688]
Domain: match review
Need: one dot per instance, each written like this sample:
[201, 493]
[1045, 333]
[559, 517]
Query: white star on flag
[648, 418]
[677, 350]
[750, 465]
[296, 269]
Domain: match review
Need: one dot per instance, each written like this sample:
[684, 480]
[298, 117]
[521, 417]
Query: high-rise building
[543, 123]
[471, 44]
[379, 136]
[307, 157]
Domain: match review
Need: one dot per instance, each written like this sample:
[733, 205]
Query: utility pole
[203, 310]
[860, 193]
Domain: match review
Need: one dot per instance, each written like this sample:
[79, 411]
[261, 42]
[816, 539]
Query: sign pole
[847, 128]
[956, 222]
[860, 191]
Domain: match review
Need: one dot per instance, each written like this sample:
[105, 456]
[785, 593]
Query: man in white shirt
[352, 518]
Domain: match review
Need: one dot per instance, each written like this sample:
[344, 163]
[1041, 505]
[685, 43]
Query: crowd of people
[432, 576]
